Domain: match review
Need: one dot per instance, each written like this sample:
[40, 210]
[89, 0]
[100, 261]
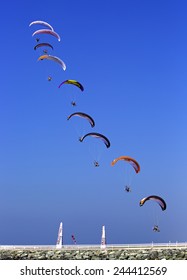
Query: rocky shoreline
[108, 254]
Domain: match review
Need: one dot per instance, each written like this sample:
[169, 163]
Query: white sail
[59, 242]
[103, 238]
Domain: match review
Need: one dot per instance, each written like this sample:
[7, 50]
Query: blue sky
[131, 58]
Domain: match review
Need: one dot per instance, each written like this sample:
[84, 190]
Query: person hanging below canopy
[127, 189]
[156, 228]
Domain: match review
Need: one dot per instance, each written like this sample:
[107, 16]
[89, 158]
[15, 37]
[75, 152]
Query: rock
[121, 254]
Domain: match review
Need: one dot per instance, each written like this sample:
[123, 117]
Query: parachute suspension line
[155, 215]
[80, 131]
[77, 129]
[72, 92]
[94, 151]
[78, 134]
[72, 99]
[128, 174]
[79, 125]
[72, 96]
[130, 168]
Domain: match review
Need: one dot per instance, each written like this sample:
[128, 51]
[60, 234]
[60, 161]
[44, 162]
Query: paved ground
[98, 247]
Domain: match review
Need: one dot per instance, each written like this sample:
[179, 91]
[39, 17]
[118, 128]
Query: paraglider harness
[156, 228]
[96, 163]
[127, 189]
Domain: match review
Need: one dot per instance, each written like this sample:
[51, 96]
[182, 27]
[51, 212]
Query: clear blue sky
[131, 58]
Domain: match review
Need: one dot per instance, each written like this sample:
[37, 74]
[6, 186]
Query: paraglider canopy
[155, 198]
[43, 45]
[99, 136]
[73, 82]
[44, 23]
[54, 58]
[83, 115]
[132, 162]
[47, 31]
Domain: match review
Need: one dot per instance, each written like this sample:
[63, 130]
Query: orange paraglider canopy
[132, 161]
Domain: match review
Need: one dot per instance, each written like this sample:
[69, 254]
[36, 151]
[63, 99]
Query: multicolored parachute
[155, 198]
[99, 136]
[54, 58]
[83, 115]
[73, 82]
[132, 162]
[47, 31]
[42, 23]
[43, 45]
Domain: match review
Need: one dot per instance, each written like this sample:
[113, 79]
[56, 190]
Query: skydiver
[45, 51]
[96, 163]
[73, 103]
[49, 78]
[37, 39]
[127, 189]
[156, 228]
